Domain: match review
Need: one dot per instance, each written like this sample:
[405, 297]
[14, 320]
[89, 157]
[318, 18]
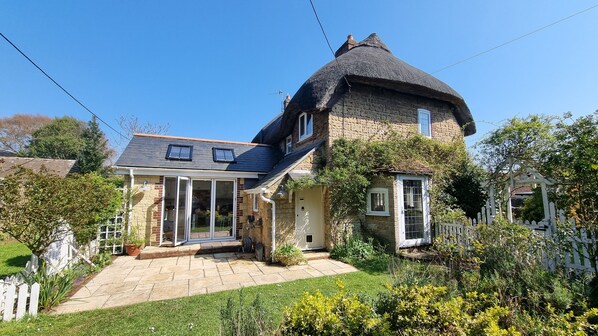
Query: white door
[309, 224]
[414, 216]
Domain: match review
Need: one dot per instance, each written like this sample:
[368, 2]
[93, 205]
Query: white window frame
[427, 113]
[288, 145]
[255, 202]
[383, 191]
[303, 122]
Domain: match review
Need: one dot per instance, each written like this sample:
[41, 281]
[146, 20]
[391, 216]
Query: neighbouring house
[195, 190]
[9, 164]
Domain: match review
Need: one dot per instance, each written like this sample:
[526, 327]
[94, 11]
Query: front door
[414, 218]
[309, 224]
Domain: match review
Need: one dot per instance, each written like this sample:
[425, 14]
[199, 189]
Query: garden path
[129, 281]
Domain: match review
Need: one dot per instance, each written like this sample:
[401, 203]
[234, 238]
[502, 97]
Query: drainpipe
[130, 207]
[265, 199]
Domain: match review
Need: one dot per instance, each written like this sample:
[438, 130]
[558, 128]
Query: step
[155, 252]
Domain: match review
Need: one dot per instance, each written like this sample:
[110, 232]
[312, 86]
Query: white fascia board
[184, 172]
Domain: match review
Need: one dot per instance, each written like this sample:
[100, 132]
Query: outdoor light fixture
[145, 186]
[281, 191]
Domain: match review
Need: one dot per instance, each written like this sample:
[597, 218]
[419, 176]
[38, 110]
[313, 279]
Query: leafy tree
[95, 149]
[519, 141]
[16, 131]
[573, 162]
[60, 139]
[34, 207]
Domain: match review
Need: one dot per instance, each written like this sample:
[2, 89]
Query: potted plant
[133, 242]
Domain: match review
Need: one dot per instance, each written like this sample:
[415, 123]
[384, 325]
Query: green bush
[354, 248]
[340, 314]
[54, 288]
[289, 254]
[242, 319]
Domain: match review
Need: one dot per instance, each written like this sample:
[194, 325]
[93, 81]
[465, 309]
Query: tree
[16, 131]
[573, 162]
[519, 141]
[60, 139]
[34, 207]
[95, 149]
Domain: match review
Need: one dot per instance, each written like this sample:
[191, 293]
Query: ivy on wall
[353, 164]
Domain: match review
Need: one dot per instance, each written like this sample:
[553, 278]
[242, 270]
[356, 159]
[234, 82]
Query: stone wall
[385, 228]
[367, 113]
[146, 211]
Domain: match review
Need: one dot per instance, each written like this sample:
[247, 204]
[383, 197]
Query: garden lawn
[13, 257]
[202, 312]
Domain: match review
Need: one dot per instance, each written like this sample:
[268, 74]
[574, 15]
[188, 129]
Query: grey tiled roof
[282, 167]
[10, 165]
[149, 151]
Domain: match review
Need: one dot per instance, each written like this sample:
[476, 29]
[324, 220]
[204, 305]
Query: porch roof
[10, 165]
[149, 151]
[282, 168]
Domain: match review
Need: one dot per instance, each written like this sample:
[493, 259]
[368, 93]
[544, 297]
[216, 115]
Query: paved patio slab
[129, 281]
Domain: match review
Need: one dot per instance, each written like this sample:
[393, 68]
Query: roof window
[223, 154]
[179, 152]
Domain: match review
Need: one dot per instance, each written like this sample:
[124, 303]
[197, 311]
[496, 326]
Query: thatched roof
[368, 62]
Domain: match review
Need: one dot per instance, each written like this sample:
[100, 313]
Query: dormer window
[306, 127]
[223, 155]
[424, 122]
[179, 152]
[288, 145]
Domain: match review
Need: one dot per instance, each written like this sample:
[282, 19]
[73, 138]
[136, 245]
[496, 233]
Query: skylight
[223, 155]
[179, 152]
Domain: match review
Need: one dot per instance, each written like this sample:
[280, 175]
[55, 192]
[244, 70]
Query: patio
[129, 281]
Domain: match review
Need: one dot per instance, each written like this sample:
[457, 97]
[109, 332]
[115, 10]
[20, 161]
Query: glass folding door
[175, 218]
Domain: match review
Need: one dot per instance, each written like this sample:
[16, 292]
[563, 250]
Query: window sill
[378, 213]
[301, 139]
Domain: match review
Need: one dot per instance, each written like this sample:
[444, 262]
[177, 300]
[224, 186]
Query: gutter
[268, 200]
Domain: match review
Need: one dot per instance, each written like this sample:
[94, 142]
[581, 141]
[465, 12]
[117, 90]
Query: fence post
[34, 299]
[9, 302]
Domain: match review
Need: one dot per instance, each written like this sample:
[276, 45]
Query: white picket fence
[15, 301]
[576, 255]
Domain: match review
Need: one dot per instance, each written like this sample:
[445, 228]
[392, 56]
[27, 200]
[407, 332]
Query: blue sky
[214, 69]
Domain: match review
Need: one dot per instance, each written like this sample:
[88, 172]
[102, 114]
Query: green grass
[172, 317]
[13, 257]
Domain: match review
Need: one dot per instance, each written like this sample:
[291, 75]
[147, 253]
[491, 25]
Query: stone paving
[129, 281]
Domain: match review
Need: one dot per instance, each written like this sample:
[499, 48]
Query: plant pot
[132, 250]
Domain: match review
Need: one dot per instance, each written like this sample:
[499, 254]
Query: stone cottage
[194, 190]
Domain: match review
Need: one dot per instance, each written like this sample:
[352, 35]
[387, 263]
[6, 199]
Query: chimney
[287, 100]
[346, 46]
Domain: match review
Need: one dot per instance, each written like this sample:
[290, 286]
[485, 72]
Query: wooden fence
[15, 301]
[577, 242]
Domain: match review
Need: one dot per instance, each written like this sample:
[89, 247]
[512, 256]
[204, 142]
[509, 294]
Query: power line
[60, 86]
[328, 42]
[515, 39]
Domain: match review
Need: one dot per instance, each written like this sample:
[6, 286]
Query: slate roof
[284, 166]
[368, 62]
[10, 164]
[149, 151]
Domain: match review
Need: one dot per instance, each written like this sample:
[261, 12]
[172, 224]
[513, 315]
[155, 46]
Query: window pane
[302, 126]
[309, 130]
[413, 206]
[424, 123]
[377, 202]
[185, 153]
[228, 155]
[224, 215]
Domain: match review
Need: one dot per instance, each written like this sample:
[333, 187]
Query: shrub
[289, 254]
[244, 319]
[353, 248]
[340, 314]
[54, 288]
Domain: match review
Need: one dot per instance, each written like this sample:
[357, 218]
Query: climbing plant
[353, 164]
